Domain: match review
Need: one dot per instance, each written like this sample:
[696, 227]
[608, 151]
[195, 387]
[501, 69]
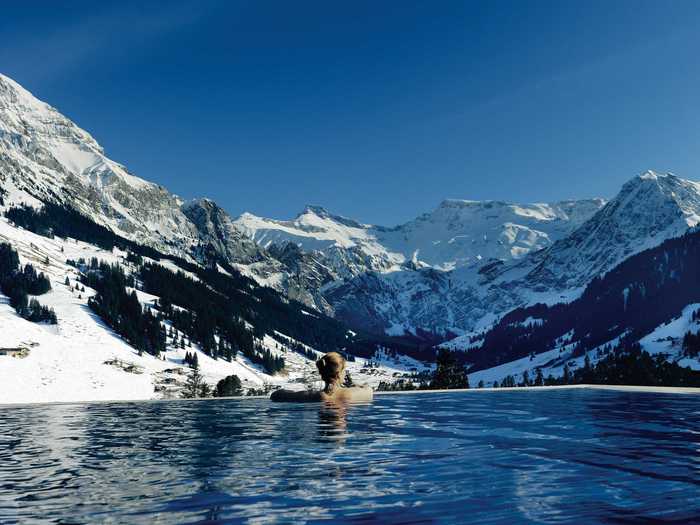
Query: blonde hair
[331, 367]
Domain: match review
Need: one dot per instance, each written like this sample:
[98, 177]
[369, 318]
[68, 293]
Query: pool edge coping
[618, 388]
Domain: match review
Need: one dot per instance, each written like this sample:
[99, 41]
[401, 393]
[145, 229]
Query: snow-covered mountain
[402, 279]
[45, 156]
[467, 263]
[648, 210]
[452, 270]
[650, 298]
[458, 233]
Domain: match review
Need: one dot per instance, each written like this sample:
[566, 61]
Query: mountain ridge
[450, 270]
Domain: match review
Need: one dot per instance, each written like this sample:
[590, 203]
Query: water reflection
[540, 457]
[333, 419]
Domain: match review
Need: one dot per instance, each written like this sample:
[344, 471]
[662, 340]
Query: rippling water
[577, 456]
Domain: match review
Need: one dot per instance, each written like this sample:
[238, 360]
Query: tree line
[122, 310]
[18, 283]
[206, 315]
[628, 364]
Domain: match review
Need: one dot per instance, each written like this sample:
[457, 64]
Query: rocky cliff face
[215, 228]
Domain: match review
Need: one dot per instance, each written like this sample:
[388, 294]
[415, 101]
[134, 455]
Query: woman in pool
[332, 369]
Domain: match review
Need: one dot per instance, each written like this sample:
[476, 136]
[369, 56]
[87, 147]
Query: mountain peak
[23, 114]
[315, 210]
[202, 202]
[312, 212]
[649, 175]
[667, 186]
[459, 203]
[63, 163]
[648, 209]
[8, 84]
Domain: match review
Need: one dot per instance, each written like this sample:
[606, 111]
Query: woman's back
[352, 394]
[332, 369]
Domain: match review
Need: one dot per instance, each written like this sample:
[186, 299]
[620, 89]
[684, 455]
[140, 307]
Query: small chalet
[14, 352]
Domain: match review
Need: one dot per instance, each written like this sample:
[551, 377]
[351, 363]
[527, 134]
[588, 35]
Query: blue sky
[375, 110]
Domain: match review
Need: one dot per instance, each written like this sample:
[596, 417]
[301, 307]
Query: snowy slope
[666, 340]
[82, 359]
[66, 361]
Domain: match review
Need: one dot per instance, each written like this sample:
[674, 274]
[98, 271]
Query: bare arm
[302, 396]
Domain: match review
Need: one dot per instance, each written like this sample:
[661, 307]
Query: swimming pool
[580, 456]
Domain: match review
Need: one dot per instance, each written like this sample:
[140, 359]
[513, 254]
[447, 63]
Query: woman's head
[331, 367]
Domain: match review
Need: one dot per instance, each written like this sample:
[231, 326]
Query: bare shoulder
[357, 393]
[303, 396]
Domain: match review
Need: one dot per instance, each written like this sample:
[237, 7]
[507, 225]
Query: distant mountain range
[452, 273]
[445, 272]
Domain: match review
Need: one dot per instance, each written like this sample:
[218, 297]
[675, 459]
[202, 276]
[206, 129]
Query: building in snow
[14, 352]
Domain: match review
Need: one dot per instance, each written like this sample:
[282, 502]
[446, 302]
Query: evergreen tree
[691, 343]
[18, 283]
[526, 378]
[449, 374]
[539, 379]
[122, 310]
[195, 386]
[229, 387]
[508, 382]
[566, 374]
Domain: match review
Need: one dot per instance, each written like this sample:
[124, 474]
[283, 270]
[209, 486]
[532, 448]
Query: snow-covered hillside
[665, 340]
[81, 358]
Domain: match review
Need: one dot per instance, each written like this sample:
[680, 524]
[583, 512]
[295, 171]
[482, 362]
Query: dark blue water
[567, 456]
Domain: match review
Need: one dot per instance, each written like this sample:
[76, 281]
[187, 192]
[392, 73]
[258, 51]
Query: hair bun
[331, 366]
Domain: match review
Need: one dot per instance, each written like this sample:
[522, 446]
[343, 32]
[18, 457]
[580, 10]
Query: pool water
[563, 456]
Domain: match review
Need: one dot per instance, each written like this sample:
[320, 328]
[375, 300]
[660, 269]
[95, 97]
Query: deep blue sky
[375, 110]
